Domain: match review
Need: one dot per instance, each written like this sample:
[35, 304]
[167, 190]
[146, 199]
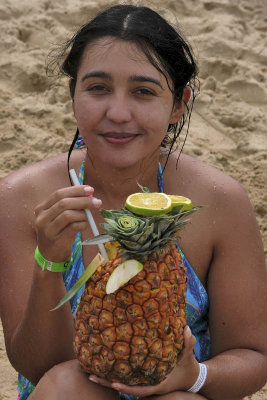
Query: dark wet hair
[163, 46]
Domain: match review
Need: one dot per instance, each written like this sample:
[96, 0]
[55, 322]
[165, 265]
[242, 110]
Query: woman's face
[122, 104]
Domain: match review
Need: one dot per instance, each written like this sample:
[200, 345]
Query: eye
[98, 88]
[144, 92]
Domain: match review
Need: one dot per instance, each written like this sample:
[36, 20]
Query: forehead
[109, 52]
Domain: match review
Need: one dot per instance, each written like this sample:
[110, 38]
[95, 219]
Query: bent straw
[90, 218]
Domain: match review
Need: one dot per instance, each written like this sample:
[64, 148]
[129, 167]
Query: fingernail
[96, 202]
[88, 189]
[91, 378]
[188, 331]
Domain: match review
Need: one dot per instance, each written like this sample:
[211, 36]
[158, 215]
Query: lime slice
[148, 204]
[181, 201]
[122, 274]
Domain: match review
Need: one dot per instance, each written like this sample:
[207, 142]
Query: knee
[63, 372]
[66, 381]
[55, 382]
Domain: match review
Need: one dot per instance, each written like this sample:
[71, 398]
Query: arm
[237, 289]
[36, 339]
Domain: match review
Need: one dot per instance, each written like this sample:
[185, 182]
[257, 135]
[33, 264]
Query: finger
[69, 192]
[100, 381]
[133, 390]
[189, 339]
[143, 391]
[66, 230]
[64, 206]
[56, 228]
[189, 344]
[72, 230]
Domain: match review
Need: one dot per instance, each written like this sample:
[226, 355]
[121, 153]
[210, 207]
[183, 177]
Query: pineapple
[135, 334]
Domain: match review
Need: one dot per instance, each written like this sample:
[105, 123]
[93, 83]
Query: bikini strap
[79, 142]
[160, 178]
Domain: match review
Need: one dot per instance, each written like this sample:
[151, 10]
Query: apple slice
[122, 274]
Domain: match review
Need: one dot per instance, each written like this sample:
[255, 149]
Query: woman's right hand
[60, 217]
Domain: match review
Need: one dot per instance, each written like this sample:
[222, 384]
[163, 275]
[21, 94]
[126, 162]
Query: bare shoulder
[207, 185]
[227, 214]
[32, 184]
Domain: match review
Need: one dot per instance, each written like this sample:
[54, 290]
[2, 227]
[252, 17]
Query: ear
[179, 106]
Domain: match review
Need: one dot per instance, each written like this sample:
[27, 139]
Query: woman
[131, 83]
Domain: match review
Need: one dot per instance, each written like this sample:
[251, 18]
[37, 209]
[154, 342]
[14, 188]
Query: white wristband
[200, 379]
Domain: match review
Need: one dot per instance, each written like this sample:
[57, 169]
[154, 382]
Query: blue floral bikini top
[197, 302]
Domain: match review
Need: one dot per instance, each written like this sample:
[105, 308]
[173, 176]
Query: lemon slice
[149, 204]
[181, 201]
[122, 274]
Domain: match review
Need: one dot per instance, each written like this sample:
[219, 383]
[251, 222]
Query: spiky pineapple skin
[134, 335]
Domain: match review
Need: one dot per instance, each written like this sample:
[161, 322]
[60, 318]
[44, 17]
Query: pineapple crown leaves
[139, 236]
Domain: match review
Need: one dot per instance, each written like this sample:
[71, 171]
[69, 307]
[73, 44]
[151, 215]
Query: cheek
[158, 120]
[85, 111]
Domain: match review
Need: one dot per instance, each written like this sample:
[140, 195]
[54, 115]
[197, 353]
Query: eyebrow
[145, 78]
[96, 74]
[134, 78]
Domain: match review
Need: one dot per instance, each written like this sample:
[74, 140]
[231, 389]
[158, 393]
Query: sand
[228, 128]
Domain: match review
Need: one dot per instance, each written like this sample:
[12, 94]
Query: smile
[119, 138]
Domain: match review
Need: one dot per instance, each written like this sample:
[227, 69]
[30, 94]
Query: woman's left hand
[182, 377]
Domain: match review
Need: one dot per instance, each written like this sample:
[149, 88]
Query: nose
[118, 109]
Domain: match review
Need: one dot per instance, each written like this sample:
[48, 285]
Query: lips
[119, 137]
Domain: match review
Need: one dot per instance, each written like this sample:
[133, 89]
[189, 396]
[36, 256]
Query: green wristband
[50, 265]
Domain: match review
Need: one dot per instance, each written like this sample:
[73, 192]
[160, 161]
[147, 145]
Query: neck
[112, 185]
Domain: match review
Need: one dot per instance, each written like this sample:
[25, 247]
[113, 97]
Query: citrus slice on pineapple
[122, 274]
[148, 204]
[177, 201]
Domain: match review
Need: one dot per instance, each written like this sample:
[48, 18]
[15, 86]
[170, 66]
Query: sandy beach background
[228, 127]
